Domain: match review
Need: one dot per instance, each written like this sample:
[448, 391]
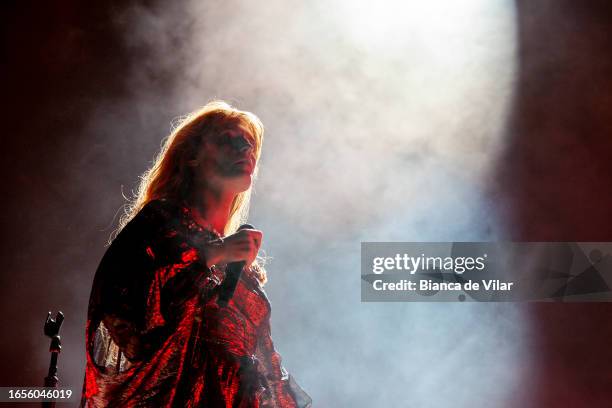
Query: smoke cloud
[383, 122]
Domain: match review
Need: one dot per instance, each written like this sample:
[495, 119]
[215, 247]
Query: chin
[241, 183]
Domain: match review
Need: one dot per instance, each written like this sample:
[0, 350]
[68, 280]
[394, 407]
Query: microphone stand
[52, 328]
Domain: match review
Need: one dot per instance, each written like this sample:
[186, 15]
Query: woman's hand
[243, 245]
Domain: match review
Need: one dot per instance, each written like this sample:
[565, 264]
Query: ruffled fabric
[156, 337]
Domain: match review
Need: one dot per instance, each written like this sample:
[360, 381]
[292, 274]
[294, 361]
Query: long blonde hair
[172, 177]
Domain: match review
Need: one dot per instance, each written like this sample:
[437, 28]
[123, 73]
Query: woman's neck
[213, 208]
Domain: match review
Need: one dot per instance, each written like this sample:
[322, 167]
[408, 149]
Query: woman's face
[227, 160]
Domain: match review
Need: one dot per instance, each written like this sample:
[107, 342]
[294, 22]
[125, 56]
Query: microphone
[233, 271]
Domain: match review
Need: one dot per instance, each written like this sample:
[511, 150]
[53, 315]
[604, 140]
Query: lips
[244, 163]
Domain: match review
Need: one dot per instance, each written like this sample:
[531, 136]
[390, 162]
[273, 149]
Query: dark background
[555, 179]
[62, 60]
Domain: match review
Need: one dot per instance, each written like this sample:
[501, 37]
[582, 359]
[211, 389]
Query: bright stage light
[451, 65]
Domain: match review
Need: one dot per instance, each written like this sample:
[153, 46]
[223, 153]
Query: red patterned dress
[156, 337]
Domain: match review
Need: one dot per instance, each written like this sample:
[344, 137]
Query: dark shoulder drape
[155, 335]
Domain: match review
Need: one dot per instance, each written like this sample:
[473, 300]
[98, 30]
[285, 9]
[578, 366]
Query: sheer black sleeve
[145, 274]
